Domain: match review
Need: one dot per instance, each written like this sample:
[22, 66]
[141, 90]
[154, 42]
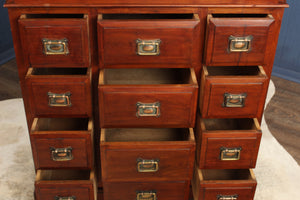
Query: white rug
[277, 173]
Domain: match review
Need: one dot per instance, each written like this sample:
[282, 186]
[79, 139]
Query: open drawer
[65, 184]
[62, 143]
[239, 184]
[152, 154]
[148, 97]
[227, 143]
[232, 92]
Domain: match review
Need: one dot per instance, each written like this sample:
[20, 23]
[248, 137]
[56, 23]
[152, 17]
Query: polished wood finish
[73, 28]
[177, 190]
[221, 27]
[175, 89]
[75, 81]
[208, 184]
[173, 149]
[214, 134]
[47, 133]
[217, 81]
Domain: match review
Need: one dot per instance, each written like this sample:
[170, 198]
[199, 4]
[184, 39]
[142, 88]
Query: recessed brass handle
[148, 109]
[234, 100]
[227, 197]
[147, 165]
[230, 153]
[240, 44]
[55, 47]
[58, 100]
[148, 47]
[146, 195]
[61, 154]
[64, 198]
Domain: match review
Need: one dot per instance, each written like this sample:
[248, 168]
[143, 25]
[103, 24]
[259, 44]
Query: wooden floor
[282, 113]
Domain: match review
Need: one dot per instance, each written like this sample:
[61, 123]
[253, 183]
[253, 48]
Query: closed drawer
[59, 91]
[55, 40]
[228, 92]
[147, 154]
[147, 97]
[177, 190]
[227, 143]
[62, 142]
[65, 184]
[149, 39]
[237, 39]
[214, 184]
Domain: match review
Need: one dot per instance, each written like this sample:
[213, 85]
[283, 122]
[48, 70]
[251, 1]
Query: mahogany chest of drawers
[145, 100]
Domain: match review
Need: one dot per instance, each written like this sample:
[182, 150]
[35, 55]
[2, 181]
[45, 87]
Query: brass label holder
[65, 198]
[61, 154]
[227, 197]
[147, 165]
[240, 44]
[234, 100]
[55, 47]
[59, 100]
[230, 153]
[148, 109]
[148, 47]
[146, 195]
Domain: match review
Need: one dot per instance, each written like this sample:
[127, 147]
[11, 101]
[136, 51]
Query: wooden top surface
[146, 3]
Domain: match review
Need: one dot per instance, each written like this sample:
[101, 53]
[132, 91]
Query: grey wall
[6, 44]
[287, 59]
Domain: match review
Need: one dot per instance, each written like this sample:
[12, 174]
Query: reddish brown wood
[177, 190]
[34, 30]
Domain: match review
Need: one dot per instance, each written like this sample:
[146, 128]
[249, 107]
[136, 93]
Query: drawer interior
[56, 175]
[147, 16]
[146, 134]
[234, 71]
[227, 174]
[52, 16]
[57, 71]
[147, 76]
[239, 15]
[61, 124]
[230, 124]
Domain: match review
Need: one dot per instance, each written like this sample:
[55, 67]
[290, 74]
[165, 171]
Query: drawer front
[60, 96]
[62, 192]
[237, 40]
[151, 162]
[141, 106]
[149, 41]
[146, 190]
[232, 96]
[62, 150]
[228, 151]
[55, 42]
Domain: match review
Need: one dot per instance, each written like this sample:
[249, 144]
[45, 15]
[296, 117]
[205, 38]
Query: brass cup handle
[146, 195]
[227, 197]
[234, 100]
[55, 47]
[147, 165]
[148, 109]
[148, 47]
[230, 153]
[61, 154]
[65, 198]
[240, 44]
[59, 100]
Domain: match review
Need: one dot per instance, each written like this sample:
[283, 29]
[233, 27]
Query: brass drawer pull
[148, 47]
[55, 47]
[234, 100]
[147, 165]
[56, 100]
[240, 44]
[230, 153]
[146, 195]
[148, 109]
[65, 198]
[227, 197]
[61, 154]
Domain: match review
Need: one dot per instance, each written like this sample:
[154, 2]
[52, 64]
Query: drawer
[65, 184]
[147, 97]
[227, 143]
[59, 91]
[177, 190]
[224, 184]
[232, 92]
[55, 40]
[140, 154]
[237, 39]
[62, 142]
[149, 39]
